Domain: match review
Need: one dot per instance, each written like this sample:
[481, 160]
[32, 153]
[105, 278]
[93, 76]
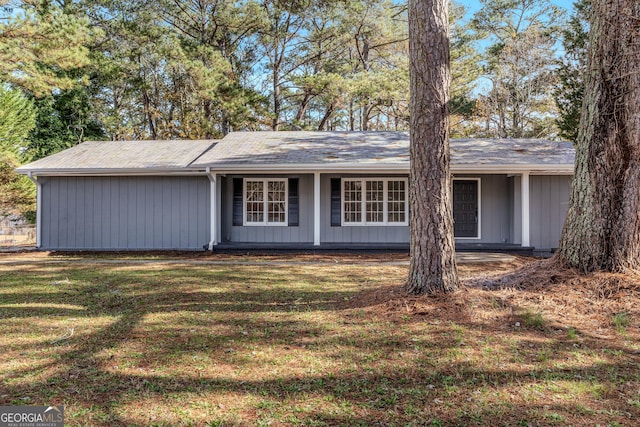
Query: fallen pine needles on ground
[328, 343]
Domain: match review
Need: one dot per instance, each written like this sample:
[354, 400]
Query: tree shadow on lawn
[391, 377]
[374, 398]
[165, 290]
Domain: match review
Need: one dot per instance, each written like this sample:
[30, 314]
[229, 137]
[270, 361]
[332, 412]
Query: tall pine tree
[433, 264]
[602, 229]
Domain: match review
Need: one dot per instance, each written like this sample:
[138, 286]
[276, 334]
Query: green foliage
[188, 69]
[39, 41]
[17, 192]
[465, 71]
[17, 118]
[569, 91]
[174, 68]
[520, 64]
[63, 120]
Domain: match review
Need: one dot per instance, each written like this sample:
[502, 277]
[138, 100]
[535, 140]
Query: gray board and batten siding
[495, 227]
[494, 216]
[125, 213]
[495, 201]
[300, 233]
[370, 234]
[549, 202]
[154, 212]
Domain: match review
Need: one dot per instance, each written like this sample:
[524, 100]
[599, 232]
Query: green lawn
[333, 343]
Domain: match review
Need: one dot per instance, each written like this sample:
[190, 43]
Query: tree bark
[225, 124]
[352, 119]
[208, 114]
[302, 108]
[146, 102]
[276, 100]
[327, 116]
[433, 265]
[602, 229]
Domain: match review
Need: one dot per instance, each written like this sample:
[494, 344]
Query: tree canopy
[187, 69]
[17, 119]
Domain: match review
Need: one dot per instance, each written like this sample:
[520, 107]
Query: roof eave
[110, 172]
[534, 169]
[560, 169]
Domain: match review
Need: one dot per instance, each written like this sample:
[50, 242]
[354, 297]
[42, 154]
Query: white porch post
[524, 191]
[316, 209]
[218, 213]
[213, 206]
[38, 209]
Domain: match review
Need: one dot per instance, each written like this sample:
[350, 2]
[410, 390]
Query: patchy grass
[333, 342]
[620, 321]
[533, 320]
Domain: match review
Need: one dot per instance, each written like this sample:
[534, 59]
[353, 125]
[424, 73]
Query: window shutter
[336, 201]
[294, 203]
[237, 202]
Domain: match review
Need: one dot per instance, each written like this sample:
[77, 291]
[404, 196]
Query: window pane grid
[396, 195]
[374, 201]
[254, 201]
[352, 201]
[265, 202]
[276, 205]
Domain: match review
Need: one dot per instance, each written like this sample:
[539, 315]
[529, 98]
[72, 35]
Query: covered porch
[496, 210]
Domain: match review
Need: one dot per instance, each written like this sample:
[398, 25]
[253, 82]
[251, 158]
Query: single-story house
[292, 190]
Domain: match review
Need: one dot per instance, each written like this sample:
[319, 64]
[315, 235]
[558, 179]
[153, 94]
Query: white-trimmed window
[265, 201]
[375, 201]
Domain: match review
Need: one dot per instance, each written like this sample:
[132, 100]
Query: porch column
[38, 209]
[213, 206]
[524, 192]
[316, 209]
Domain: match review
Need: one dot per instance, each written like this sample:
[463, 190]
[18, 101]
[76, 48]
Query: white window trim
[479, 180]
[265, 202]
[385, 203]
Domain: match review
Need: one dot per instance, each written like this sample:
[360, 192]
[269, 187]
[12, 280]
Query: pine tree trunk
[602, 229]
[276, 102]
[327, 116]
[432, 266]
[352, 119]
[302, 108]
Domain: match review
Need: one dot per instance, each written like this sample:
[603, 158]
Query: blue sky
[473, 5]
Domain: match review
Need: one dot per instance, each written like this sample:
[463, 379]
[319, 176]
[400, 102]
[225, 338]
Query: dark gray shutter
[336, 209]
[237, 202]
[294, 203]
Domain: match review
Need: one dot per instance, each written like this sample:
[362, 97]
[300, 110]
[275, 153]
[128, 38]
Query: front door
[465, 208]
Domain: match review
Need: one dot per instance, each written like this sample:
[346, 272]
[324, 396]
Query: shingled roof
[327, 150]
[122, 156]
[301, 151]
